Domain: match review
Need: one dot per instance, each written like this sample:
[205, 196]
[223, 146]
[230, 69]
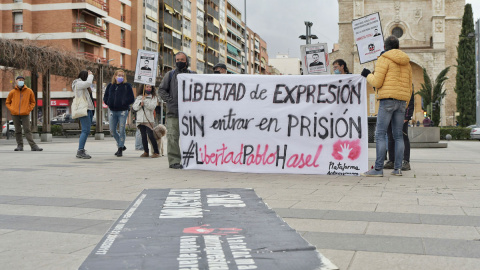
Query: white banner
[146, 67]
[274, 124]
[368, 35]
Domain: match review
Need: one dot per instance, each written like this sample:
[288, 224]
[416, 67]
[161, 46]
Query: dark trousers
[20, 121]
[144, 131]
[391, 143]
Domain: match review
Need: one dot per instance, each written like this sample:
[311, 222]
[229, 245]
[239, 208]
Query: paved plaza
[55, 208]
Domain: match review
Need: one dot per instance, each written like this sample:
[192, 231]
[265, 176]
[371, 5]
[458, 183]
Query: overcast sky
[280, 22]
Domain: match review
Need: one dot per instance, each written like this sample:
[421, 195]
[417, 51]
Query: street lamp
[308, 35]
[477, 73]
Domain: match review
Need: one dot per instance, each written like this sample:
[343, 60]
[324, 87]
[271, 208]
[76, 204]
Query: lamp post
[477, 73]
[245, 37]
[308, 35]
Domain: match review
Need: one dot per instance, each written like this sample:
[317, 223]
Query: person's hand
[90, 72]
[365, 72]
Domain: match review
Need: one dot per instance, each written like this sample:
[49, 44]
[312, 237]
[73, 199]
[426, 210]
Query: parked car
[475, 133]
[11, 128]
[64, 118]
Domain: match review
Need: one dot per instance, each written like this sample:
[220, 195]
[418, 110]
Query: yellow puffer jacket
[392, 76]
[20, 102]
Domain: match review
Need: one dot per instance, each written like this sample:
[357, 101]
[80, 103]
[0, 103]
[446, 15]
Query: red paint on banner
[346, 148]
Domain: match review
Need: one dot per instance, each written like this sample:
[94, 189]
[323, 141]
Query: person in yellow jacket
[21, 101]
[393, 80]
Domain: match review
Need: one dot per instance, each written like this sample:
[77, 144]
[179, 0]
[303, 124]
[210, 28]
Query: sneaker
[36, 148]
[388, 165]
[83, 154]
[119, 152]
[145, 154]
[397, 172]
[176, 166]
[123, 149]
[373, 173]
[155, 155]
[406, 166]
[19, 148]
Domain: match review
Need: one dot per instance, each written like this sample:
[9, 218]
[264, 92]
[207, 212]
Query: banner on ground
[274, 124]
[146, 67]
[315, 59]
[368, 35]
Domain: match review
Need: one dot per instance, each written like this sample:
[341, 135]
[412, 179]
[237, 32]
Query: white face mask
[20, 84]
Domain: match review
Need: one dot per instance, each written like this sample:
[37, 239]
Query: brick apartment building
[209, 32]
[99, 31]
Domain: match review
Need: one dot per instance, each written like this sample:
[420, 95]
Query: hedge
[458, 133]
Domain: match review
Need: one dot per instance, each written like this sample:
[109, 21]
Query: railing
[215, 2]
[212, 58]
[234, 41]
[88, 28]
[168, 59]
[177, 44]
[177, 5]
[234, 16]
[234, 68]
[212, 43]
[212, 28]
[123, 18]
[96, 3]
[122, 42]
[167, 39]
[212, 12]
[92, 57]
[18, 27]
[172, 21]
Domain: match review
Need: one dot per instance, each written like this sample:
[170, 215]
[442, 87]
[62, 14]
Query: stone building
[428, 31]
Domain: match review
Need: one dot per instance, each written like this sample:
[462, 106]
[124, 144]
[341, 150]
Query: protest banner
[274, 124]
[146, 67]
[315, 59]
[368, 35]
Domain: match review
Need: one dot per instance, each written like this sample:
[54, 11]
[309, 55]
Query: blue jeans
[394, 111]
[118, 118]
[138, 140]
[86, 123]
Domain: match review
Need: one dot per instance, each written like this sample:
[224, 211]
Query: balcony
[171, 21]
[212, 12]
[122, 42]
[212, 28]
[18, 27]
[92, 57]
[175, 4]
[233, 68]
[168, 59]
[99, 7]
[212, 59]
[123, 18]
[92, 32]
[212, 43]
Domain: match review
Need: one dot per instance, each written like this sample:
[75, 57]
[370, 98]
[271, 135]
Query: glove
[365, 72]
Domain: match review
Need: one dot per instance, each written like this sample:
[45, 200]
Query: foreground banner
[274, 124]
[207, 229]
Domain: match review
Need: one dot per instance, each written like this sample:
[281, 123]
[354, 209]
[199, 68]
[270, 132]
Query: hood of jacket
[397, 56]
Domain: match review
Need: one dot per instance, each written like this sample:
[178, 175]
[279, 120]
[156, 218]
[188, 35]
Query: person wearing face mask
[168, 91]
[21, 101]
[145, 105]
[81, 86]
[118, 97]
[220, 69]
[340, 67]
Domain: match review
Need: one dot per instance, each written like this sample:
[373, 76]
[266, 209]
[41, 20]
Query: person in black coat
[118, 97]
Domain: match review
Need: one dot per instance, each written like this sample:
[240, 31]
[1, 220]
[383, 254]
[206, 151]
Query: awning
[54, 102]
[231, 49]
[234, 60]
[170, 9]
[152, 18]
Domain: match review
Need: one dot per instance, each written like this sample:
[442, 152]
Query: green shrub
[56, 130]
[458, 133]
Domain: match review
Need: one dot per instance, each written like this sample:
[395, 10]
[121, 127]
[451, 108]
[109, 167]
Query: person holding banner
[393, 80]
[340, 67]
[145, 105]
[118, 97]
[168, 91]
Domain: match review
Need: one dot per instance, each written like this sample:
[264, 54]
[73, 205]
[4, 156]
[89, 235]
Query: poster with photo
[368, 36]
[315, 59]
[146, 67]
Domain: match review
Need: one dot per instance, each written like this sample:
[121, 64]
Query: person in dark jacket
[168, 91]
[391, 142]
[118, 97]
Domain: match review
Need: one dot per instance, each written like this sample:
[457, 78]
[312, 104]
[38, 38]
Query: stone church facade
[428, 31]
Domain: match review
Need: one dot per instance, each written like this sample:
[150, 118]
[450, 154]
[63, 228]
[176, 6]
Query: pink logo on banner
[205, 230]
[344, 149]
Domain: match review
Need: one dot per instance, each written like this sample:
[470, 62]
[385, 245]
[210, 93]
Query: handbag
[157, 132]
[79, 106]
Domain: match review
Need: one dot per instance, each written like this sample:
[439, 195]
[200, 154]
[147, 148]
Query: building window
[151, 25]
[398, 32]
[152, 4]
[122, 60]
[187, 5]
[17, 21]
[122, 38]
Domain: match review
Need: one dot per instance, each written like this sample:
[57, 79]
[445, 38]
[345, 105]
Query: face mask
[119, 79]
[337, 71]
[216, 72]
[21, 83]
[181, 65]
[148, 92]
